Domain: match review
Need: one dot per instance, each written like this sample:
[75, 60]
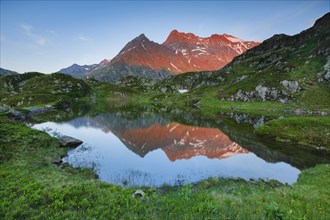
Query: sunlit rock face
[180, 141]
[180, 53]
[199, 53]
[183, 52]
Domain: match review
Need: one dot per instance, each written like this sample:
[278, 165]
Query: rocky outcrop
[292, 86]
[26, 113]
[264, 93]
[78, 71]
[325, 74]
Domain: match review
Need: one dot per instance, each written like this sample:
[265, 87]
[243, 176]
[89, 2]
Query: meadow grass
[33, 187]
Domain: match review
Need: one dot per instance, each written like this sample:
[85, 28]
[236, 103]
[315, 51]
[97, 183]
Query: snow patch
[199, 49]
[144, 47]
[173, 128]
[183, 90]
[234, 39]
[175, 67]
[183, 51]
[127, 50]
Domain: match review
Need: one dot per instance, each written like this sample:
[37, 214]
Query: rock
[327, 76]
[326, 69]
[138, 193]
[241, 96]
[36, 110]
[58, 162]
[163, 90]
[67, 141]
[4, 108]
[299, 112]
[283, 100]
[319, 77]
[241, 78]
[17, 114]
[274, 94]
[261, 92]
[259, 122]
[292, 86]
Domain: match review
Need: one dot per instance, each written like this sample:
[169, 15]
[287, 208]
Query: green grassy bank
[33, 187]
[308, 130]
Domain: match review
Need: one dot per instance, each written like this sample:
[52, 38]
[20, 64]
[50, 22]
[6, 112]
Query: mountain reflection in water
[180, 141]
[164, 151]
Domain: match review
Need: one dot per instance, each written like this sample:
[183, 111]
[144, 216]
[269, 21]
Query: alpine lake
[130, 146]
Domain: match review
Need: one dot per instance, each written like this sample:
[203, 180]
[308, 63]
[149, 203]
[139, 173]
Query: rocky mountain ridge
[282, 68]
[79, 71]
[6, 71]
[180, 53]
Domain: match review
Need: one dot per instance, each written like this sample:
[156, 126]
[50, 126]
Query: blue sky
[46, 36]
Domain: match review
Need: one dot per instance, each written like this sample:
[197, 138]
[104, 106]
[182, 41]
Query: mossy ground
[313, 130]
[35, 188]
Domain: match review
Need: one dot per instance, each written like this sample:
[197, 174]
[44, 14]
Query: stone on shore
[67, 141]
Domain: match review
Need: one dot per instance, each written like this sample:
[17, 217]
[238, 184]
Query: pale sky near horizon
[46, 36]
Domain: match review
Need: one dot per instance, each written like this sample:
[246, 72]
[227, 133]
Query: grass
[36, 89]
[311, 130]
[35, 188]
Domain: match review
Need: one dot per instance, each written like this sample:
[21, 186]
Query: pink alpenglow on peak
[183, 52]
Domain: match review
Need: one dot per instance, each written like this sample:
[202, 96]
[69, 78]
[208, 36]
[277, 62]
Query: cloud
[28, 30]
[51, 32]
[83, 38]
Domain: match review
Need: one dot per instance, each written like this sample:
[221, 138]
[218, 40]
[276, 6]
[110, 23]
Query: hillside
[6, 72]
[38, 89]
[284, 69]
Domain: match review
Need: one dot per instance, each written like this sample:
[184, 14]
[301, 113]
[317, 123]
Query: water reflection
[180, 141]
[153, 150]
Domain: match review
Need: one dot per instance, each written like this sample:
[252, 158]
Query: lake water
[152, 149]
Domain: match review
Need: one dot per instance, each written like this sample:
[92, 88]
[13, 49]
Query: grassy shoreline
[33, 187]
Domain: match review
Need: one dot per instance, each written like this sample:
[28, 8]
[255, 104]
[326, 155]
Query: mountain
[283, 68]
[79, 71]
[196, 54]
[6, 72]
[180, 53]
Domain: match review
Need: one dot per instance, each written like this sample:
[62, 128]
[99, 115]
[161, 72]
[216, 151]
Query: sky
[46, 36]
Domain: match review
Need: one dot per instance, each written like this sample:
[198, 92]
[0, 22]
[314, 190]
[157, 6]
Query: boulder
[261, 92]
[67, 141]
[327, 76]
[138, 194]
[292, 86]
[326, 69]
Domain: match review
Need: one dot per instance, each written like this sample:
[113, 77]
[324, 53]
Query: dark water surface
[153, 149]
